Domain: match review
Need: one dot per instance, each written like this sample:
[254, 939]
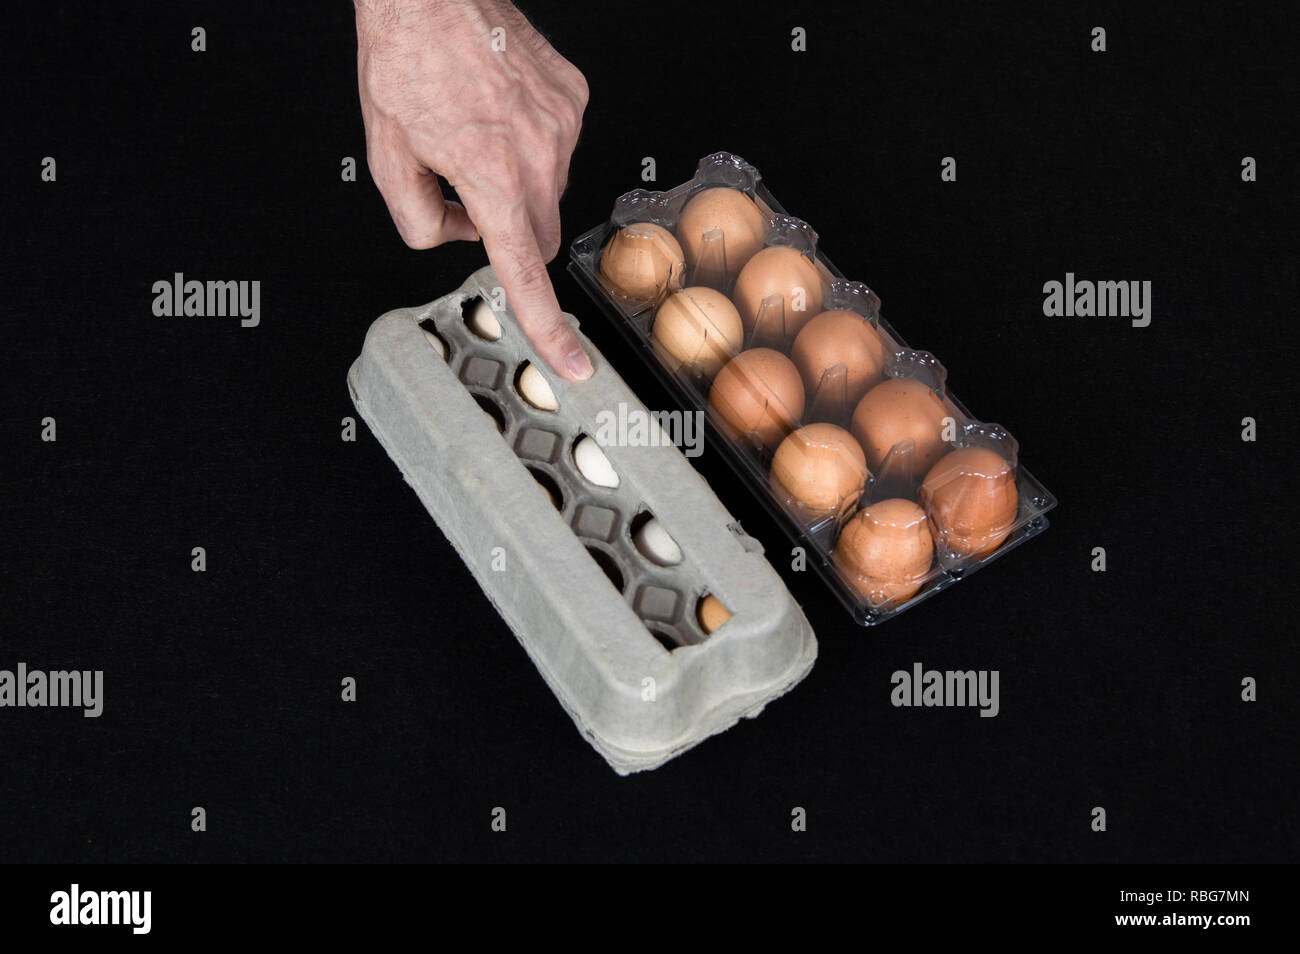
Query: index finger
[512, 250]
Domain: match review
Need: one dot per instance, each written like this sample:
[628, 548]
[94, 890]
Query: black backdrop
[1118, 689]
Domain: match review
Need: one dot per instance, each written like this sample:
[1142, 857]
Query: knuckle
[581, 89]
[417, 240]
[548, 239]
[531, 275]
[549, 245]
[416, 237]
[498, 169]
[378, 163]
[554, 335]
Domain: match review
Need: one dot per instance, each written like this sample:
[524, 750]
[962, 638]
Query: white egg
[483, 322]
[593, 464]
[438, 346]
[656, 545]
[536, 390]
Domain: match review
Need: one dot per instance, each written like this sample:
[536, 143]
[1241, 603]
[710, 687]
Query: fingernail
[578, 365]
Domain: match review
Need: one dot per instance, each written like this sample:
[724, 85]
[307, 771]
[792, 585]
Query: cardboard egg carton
[615, 635]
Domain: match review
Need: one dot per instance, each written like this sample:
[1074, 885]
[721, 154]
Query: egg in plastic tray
[844, 432]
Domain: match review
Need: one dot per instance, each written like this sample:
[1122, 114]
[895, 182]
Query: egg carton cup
[616, 635]
[902, 469]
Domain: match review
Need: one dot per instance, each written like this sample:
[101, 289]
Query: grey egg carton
[616, 636]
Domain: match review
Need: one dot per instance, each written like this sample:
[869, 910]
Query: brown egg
[786, 273]
[712, 613]
[896, 410]
[838, 338]
[758, 392]
[697, 330]
[885, 551]
[819, 471]
[972, 501]
[642, 261]
[740, 223]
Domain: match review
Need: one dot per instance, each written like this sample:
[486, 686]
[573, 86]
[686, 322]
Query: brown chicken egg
[819, 471]
[838, 338]
[885, 551]
[783, 272]
[711, 613]
[740, 226]
[758, 392]
[896, 410]
[641, 261]
[971, 497]
[697, 330]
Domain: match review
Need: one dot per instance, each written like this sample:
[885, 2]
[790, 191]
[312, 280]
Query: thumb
[422, 216]
[456, 224]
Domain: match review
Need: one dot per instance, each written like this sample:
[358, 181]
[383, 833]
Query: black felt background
[1118, 689]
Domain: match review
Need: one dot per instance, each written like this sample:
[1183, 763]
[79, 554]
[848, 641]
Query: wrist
[384, 20]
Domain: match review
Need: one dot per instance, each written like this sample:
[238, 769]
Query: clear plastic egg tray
[901, 471]
[616, 635]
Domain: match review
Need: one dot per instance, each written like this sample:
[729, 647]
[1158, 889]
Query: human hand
[497, 114]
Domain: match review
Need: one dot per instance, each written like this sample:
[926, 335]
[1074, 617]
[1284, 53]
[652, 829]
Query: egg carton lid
[637, 702]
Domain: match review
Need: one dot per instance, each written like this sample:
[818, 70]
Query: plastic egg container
[848, 435]
[655, 620]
